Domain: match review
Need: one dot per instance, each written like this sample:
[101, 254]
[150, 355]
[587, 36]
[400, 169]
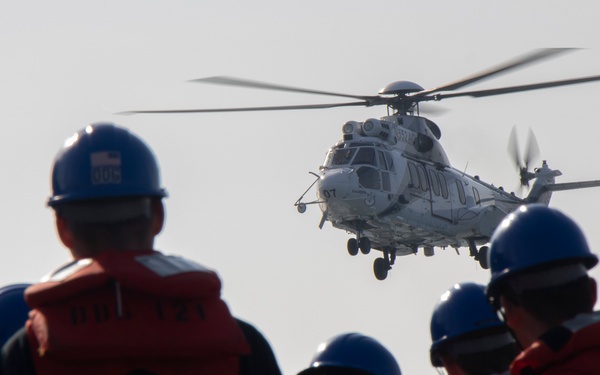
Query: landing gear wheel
[301, 208]
[482, 257]
[380, 268]
[365, 245]
[352, 246]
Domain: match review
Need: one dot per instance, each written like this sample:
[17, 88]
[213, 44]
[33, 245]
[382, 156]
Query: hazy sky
[233, 178]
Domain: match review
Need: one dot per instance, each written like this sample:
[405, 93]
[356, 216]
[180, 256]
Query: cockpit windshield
[365, 155]
[350, 154]
[341, 156]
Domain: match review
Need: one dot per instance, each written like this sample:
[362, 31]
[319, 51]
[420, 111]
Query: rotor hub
[400, 88]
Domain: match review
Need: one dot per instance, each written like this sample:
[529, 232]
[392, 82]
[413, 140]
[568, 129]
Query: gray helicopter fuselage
[391, 181]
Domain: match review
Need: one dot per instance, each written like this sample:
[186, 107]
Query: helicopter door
[441, 205]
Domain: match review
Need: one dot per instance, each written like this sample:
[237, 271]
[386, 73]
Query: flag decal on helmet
[106, 167]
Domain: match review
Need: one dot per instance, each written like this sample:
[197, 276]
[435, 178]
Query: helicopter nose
[342, 196]
[334, 184]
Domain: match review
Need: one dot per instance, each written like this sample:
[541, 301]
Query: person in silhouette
[539, 262]
[352, 354]
[122, 307]
[468, 338]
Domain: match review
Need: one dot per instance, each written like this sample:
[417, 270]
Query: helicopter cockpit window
[369, 178]
[340, 156]
[365, 155]
[382, 162]
[385, 181]
[390, 162]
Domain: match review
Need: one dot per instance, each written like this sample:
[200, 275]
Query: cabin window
[414, 176]
[443, 185]
[461, 192]
[368, 178]
[365, 155]
[423, 178]
[476, 196]
[435, 184]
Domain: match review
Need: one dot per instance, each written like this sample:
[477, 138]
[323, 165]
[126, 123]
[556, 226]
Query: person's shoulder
[18, 342]
[16, 355]
[262, 358]
[250, 331]
[257, 341]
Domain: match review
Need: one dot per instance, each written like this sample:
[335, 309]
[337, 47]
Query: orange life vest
[571, 348]
[134, 310]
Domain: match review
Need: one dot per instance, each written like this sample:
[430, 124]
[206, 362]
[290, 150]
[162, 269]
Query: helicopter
[389, 183]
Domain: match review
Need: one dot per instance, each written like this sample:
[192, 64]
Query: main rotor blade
[511, 89]
[534, 56]
[249, 109]
[233, 81]
[430, 110]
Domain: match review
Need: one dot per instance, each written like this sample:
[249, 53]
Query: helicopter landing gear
[365, 245]
[480, 255]
[472, 249]
[362, 243]
[352, 246]
[381, 266]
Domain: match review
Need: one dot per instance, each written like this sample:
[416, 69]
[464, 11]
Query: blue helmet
[535, 235]
[13, 310]
[461, 310]
[104, 161]
[354, 351]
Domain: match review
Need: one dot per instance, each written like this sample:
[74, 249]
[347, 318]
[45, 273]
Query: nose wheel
[361, 243]
[365, 245]
[352, 246]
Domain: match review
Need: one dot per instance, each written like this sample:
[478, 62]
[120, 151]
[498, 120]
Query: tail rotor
[532, 152]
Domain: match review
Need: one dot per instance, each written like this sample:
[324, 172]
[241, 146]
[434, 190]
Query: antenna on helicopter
[465, 170]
